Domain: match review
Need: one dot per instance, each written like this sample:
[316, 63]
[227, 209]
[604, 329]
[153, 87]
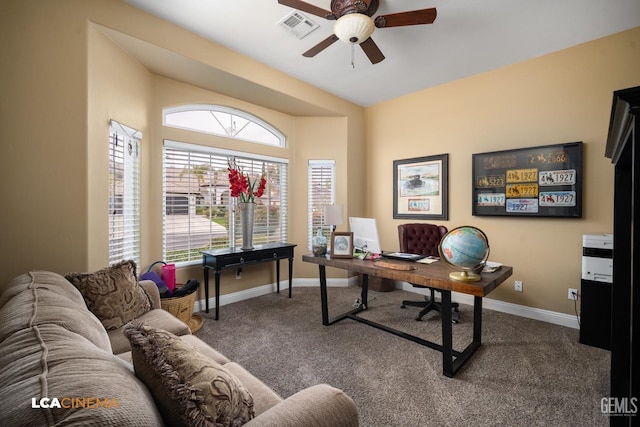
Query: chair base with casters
[432, 305]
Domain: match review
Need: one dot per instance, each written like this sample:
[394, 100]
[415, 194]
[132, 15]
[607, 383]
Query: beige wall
[562, 97]
[66, 79]
[43, 125]
[119, 89]
[325, 138]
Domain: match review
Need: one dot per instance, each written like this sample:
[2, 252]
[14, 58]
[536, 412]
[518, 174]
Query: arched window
[223, 121]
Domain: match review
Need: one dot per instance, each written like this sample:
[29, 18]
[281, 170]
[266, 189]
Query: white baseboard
[548, 316]
[237, 296]
[487, 303]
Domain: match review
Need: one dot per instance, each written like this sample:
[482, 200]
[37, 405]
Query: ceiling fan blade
[321, 46]
[372, 51]
[414, 17]
[309, 8]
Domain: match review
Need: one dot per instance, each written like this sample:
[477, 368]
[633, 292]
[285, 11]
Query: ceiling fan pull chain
[352, 55]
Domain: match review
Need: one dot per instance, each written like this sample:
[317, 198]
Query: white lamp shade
[353, 28]
[333, 214]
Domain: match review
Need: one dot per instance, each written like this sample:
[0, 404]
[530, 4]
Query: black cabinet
[623, 148]
[595, 314]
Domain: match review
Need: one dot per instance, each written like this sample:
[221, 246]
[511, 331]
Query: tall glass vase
[246, 223]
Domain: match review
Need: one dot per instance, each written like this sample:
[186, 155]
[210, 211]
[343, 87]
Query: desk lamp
[333, 216]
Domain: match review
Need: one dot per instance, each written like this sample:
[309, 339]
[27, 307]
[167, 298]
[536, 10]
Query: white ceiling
[468, 37]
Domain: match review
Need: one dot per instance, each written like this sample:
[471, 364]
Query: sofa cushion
[263, 396]
[42, 297]
[205, 349]
[113, 293]
[318, 405]
[156, 318]
[196, 343]
[49, 351]
[188, 387]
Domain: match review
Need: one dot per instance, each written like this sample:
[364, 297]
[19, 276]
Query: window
[199, 213]
[124, 193]
[321, 193]
[224, 121]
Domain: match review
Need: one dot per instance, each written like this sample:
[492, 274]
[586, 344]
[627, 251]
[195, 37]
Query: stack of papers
[428, 260]
[490, 266]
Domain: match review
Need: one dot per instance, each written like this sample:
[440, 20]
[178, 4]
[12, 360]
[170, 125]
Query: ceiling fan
[354, 24]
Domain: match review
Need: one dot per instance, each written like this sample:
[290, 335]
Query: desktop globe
[466, 248]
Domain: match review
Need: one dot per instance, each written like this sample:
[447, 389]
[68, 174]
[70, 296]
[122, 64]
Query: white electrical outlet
[517, 285]
[572, 294]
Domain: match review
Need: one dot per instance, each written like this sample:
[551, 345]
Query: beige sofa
[58, 367]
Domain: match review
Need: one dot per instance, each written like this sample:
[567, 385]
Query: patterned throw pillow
[113, 294]
[189, 388]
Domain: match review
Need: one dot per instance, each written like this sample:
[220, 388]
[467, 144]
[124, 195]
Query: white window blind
[124, 193]
[321, 192]
[200, 214]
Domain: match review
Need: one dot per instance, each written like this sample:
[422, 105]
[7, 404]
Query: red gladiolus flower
[261, 187]
[241, 185]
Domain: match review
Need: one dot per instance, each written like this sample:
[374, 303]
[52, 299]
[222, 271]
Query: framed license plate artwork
[543, 181]
[420, 187]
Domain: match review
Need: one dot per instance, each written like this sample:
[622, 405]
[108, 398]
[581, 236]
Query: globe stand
[464, 276]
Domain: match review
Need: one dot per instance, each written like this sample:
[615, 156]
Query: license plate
[557, 198]
[419, 205]
[491, 181]
[548, 158]
[522, 205]
[490, 199]
[522, 175]
[522, 190]
[561, 177]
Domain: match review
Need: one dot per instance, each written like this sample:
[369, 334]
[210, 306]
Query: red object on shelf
[168, 275]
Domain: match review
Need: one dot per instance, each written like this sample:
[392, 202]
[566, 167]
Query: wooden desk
[221, 259]
[435, 275]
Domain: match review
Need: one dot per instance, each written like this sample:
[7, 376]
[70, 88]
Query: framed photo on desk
[341, 244]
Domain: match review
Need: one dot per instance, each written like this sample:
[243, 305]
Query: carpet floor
[526, 373]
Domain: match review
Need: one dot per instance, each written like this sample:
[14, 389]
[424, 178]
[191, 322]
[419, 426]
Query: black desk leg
[205, 271]
[290, 275]
[217, 275]
[278, 275]
[365, 291]
[447, 335]
[477, 321]
[323, 296]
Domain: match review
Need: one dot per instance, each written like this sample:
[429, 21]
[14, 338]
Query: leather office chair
[423, 239]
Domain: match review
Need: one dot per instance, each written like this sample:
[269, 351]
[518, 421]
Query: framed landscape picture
[420, 188]
[544, 181]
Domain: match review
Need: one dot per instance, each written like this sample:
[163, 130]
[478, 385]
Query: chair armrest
[316, 406]
[152, 290]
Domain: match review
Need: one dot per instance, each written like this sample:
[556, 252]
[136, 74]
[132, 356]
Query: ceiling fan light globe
[353, 28]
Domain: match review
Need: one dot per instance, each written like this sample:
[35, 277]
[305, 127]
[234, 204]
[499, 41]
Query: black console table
[220, 259]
